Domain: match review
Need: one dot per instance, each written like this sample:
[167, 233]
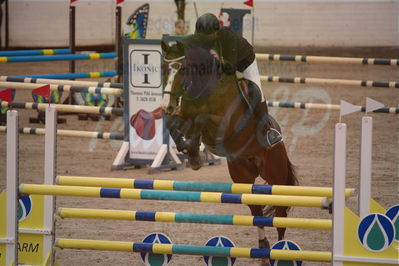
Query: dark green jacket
[235, 49]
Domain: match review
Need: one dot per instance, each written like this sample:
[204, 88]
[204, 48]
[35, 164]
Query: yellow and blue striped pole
[35, 52]
[80, 75]
[193, 250]
[60, 57]
[198, 186]
[189, 196]
[173, 217]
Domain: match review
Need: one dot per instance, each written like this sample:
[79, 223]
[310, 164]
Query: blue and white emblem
[24, 207]
[219, 241]
[376, 232]
[285, 245]
[393, 214]
[151, 259]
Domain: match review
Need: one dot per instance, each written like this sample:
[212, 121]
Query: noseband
[174, 66]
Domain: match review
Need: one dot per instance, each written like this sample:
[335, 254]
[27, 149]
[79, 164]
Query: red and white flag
[6, 95]
[249, 3]
[119, 2]
[73, 1]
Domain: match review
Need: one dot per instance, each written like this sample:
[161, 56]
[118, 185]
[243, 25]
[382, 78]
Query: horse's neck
[224, 95]
[227, 86]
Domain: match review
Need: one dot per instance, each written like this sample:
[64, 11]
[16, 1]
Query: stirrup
[272, 137]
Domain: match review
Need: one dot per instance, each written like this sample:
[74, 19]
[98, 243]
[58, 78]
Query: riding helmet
[207, 24]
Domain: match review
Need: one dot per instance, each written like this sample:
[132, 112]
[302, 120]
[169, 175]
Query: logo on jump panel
[285, 245]
[151, 259]
[376, 232]
[393, 214]
[219, 241]
[24, 207]
[145, 68]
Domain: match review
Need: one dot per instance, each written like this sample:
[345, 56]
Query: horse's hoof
[195, 162]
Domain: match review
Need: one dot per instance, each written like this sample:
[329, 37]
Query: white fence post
[365, 166]
[12, 188]
[50, 158]
[339, 192]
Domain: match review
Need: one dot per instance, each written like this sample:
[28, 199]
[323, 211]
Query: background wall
[320, 23]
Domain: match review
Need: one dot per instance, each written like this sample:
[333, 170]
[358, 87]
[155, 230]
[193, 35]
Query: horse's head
[173, 59]
[192, 68]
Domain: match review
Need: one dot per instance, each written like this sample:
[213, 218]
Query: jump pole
[331, 82]
[63, 88]
[69, 133]
[174, 217]
[328, 59]
[322, 106]
[61, 57]
[62, 82]
[65, 108]
[35, 52]
[81, 75]
[187, 196]
[193, 250]
[112, 182]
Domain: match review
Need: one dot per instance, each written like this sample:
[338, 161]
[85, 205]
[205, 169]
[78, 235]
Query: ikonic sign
[145, 69]
[145, 96]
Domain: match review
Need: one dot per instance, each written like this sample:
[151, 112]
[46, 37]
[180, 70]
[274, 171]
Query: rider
[238, 55]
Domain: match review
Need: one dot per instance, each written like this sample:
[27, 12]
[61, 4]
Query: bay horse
[225, 124]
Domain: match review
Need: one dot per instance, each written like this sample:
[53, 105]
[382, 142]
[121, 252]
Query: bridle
[174, 66]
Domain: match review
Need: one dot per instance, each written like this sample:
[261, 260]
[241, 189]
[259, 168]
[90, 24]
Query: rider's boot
[271, 135]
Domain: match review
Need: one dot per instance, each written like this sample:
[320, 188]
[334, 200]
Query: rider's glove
[229, 68]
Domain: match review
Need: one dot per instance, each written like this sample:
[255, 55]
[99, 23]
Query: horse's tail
[292, 180]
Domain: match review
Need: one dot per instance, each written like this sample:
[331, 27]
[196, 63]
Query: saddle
[249, 92]
[252, 96]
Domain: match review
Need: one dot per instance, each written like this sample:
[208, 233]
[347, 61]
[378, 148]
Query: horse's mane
[200, 68]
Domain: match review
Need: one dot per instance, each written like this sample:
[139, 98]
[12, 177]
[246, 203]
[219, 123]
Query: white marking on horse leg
[165, 101]
[168, 88]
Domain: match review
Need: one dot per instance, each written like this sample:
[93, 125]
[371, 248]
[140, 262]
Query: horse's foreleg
[191, 144]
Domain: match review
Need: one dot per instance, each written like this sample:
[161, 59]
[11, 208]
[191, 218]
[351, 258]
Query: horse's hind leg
[245, 171]
[277, 169]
